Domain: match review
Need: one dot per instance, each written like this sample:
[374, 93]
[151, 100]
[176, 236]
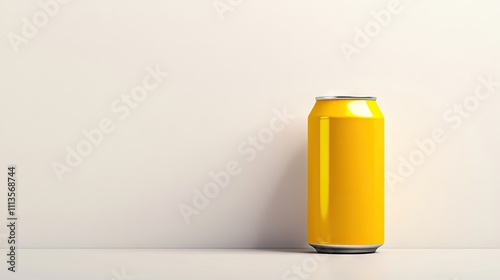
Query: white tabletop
[128, 264]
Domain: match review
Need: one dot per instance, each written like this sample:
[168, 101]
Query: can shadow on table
[283, 226]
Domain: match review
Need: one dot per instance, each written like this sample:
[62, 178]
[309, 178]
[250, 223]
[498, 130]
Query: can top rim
[346, 97]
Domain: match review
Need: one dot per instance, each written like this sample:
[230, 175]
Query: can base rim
[346, 249]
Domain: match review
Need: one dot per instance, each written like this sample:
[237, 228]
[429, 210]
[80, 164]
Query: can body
[346, 175]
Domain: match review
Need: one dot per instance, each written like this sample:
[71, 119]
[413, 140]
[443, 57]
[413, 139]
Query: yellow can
[346, 175]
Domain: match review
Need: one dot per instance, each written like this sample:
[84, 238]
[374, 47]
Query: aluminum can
[346, 175]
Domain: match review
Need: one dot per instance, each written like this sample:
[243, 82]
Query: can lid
[346, 97]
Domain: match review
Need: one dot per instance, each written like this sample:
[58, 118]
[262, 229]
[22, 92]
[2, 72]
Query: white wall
[226, 80]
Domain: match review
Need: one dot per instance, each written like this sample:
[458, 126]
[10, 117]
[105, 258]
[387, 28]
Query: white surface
[226, 77]
[254, 264]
